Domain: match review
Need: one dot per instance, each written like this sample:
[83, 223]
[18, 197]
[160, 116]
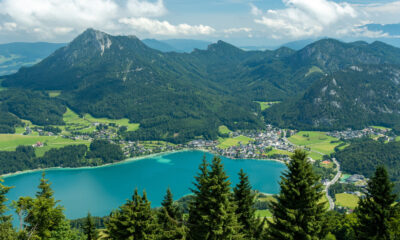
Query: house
[38, 144]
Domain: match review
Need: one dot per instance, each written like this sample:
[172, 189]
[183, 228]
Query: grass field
[316, 141]
[229, 142]
[278, 151]
[265, 105]
[381, 128]
[314, 69]
[120, 122]
[54, 93]
[346, 200]
[9, 142]
[224, 129]
[85, 124]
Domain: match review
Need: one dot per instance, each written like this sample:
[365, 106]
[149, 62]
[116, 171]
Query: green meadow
[224, 129]
[319, 143]
[9, 142]
[346, 200]
[229, 142]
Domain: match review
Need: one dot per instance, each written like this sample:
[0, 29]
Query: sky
[241, 22]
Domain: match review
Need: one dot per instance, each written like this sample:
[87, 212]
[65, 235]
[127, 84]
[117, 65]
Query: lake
[100, 190]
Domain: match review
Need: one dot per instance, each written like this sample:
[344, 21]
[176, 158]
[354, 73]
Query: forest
[364, 155]
[23, 158]
[216, 211]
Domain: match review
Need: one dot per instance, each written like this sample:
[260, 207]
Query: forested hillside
[363, 156]
[180, 96]
[355, 97]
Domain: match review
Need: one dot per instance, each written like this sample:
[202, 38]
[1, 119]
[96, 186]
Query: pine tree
[245, 211]
[170, 220]
[6, 229]
[134, 220]
[43, 216]
[298, 212]
[89, 228]
[376, 211]
[212, 213]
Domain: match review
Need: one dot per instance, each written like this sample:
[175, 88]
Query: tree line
[23, 158]
[217, 212]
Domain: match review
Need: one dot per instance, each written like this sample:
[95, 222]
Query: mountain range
[179, 96]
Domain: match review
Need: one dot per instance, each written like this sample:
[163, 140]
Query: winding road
[333, 181]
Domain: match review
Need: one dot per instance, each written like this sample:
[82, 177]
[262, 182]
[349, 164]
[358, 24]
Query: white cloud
[157, 27]
[255, 10]
[237, 30]
[143, 8]
[50, 19]
[305, 18]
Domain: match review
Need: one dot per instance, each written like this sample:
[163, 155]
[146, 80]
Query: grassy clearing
[346, 200]
[316, 141]
[381, 128]
[265, 105]
[53, 94]
[278, 151]
[313, 69]
[224, 129]
[120, 122]
[229, 142]
[9, 142]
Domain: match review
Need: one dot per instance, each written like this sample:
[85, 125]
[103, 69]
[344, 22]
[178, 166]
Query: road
[333, 181]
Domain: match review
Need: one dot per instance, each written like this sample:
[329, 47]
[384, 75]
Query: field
[278, 151]
[85, 124]
[120, 122]
[346, 200]
[381, 128]
[314, 69]
[229, 142]
[9, 142]
[54, 93]
[265, 105]
[319, 143]
[224, 129]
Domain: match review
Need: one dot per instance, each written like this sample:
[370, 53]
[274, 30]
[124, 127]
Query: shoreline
[125, 161]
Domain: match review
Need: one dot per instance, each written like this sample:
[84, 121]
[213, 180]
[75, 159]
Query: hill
[179, 96]
[355, 97]
[13, 56]
[120, 77]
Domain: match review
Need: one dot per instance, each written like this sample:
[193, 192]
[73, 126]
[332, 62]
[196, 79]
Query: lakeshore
[124, 162]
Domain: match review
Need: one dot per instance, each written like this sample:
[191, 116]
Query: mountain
[176, 45]
[179, 96]
[119, 76]
[16, 55]
[159, 45]
[354, 97]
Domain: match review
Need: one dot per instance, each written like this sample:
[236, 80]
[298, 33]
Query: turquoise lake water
[100, 190]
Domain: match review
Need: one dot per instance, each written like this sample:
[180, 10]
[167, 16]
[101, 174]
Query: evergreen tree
[43, 216]
[7, 231]
[377, 210]
[245, 211]
[89, 228]
[170, 220]
[212, 212]
[298, 212]
[133, 221]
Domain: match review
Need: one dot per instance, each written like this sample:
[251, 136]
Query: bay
[100, 190]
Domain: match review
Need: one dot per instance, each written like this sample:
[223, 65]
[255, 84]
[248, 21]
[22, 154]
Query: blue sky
[242, 22]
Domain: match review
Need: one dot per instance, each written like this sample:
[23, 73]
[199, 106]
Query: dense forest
[364, 155]
[23, 158]
[355, 97]
[215, 211]
[179, 96]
